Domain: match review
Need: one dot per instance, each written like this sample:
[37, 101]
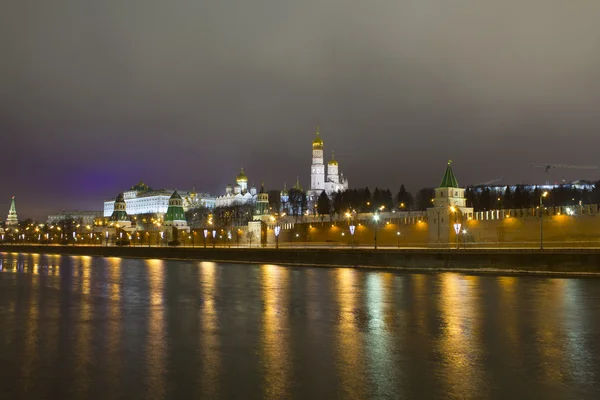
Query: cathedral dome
[333, 161]
[318, 142]
[242, 177]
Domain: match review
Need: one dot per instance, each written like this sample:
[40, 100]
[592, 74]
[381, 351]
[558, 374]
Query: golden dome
[242, 176]
[318, 142]
[333, 160]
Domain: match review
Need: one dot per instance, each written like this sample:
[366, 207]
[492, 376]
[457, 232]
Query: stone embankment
[580, 261]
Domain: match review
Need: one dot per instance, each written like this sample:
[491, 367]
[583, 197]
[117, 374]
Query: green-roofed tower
[175, 215]
[120, 210]
[11, 219]
[449, 212]
[262, 202]
[449, 180]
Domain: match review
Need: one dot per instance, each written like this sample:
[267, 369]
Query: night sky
[96, 95]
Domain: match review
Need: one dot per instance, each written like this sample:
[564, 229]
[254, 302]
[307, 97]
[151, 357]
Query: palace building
[142, 199]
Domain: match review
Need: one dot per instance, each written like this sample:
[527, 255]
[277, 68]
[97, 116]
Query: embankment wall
[549, 261]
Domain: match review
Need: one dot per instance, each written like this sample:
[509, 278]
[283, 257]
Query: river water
[111, 328]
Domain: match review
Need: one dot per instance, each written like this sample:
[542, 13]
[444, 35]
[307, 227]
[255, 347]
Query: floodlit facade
[238, 194]
[141, 199]
[330, 180]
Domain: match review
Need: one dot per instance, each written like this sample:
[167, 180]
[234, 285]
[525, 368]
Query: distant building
[87, 217]
[141, 199]
[330, 181]
[11, 219]
[499, 189]
[238, 194]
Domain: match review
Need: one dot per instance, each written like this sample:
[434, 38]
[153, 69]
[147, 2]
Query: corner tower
[11, 219]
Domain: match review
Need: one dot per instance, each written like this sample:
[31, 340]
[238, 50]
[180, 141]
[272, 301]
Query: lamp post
[457, 225]
[457, 230]
[544, 194]
[214, 236]
[398, 234]
[376, 219]
[276, 230]
[205, 235]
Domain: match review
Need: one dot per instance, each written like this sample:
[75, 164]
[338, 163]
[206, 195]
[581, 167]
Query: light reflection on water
[118, 328]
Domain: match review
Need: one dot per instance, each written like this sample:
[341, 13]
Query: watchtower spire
[12, 219]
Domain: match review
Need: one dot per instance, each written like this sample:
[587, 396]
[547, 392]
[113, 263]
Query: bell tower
[317, 169]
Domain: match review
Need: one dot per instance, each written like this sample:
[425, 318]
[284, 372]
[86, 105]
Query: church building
[238, 194]
[328, 179]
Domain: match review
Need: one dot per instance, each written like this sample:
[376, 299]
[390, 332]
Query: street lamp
[544, 194]
[276, 230]
[457, 230]
[398, 234]
[376, 219]
[214, 236]
[205, 235]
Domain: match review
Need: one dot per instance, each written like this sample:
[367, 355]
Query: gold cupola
[333, 160]
[241, 177]
[318, 142]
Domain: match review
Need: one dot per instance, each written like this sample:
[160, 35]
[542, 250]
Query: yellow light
[453, 209]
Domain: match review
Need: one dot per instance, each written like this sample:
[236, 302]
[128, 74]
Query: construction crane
[548, 167]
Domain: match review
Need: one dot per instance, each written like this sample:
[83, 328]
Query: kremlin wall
[562, 227]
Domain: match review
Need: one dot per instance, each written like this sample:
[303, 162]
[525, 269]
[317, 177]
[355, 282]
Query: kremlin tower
[11, 219]
[330, 181]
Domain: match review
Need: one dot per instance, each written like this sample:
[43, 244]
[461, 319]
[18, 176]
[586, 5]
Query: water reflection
[156, 344]
[459, 345]
[115, 325]
[209, 337]
[349, 341]
[275, 332]
[379, 341]
[119, 328]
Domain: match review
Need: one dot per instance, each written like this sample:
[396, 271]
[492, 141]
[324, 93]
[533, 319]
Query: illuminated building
[11, 219]
[238, 194]
[86, 217]
[330, 181]
[141, 199]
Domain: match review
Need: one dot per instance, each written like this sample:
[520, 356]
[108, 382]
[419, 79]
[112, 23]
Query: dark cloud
[97, 95]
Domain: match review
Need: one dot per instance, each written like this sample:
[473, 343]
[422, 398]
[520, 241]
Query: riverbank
[579, 261]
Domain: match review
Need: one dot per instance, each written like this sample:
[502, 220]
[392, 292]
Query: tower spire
[12, 219]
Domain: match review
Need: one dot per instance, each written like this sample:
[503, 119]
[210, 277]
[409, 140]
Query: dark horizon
[96, 97]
